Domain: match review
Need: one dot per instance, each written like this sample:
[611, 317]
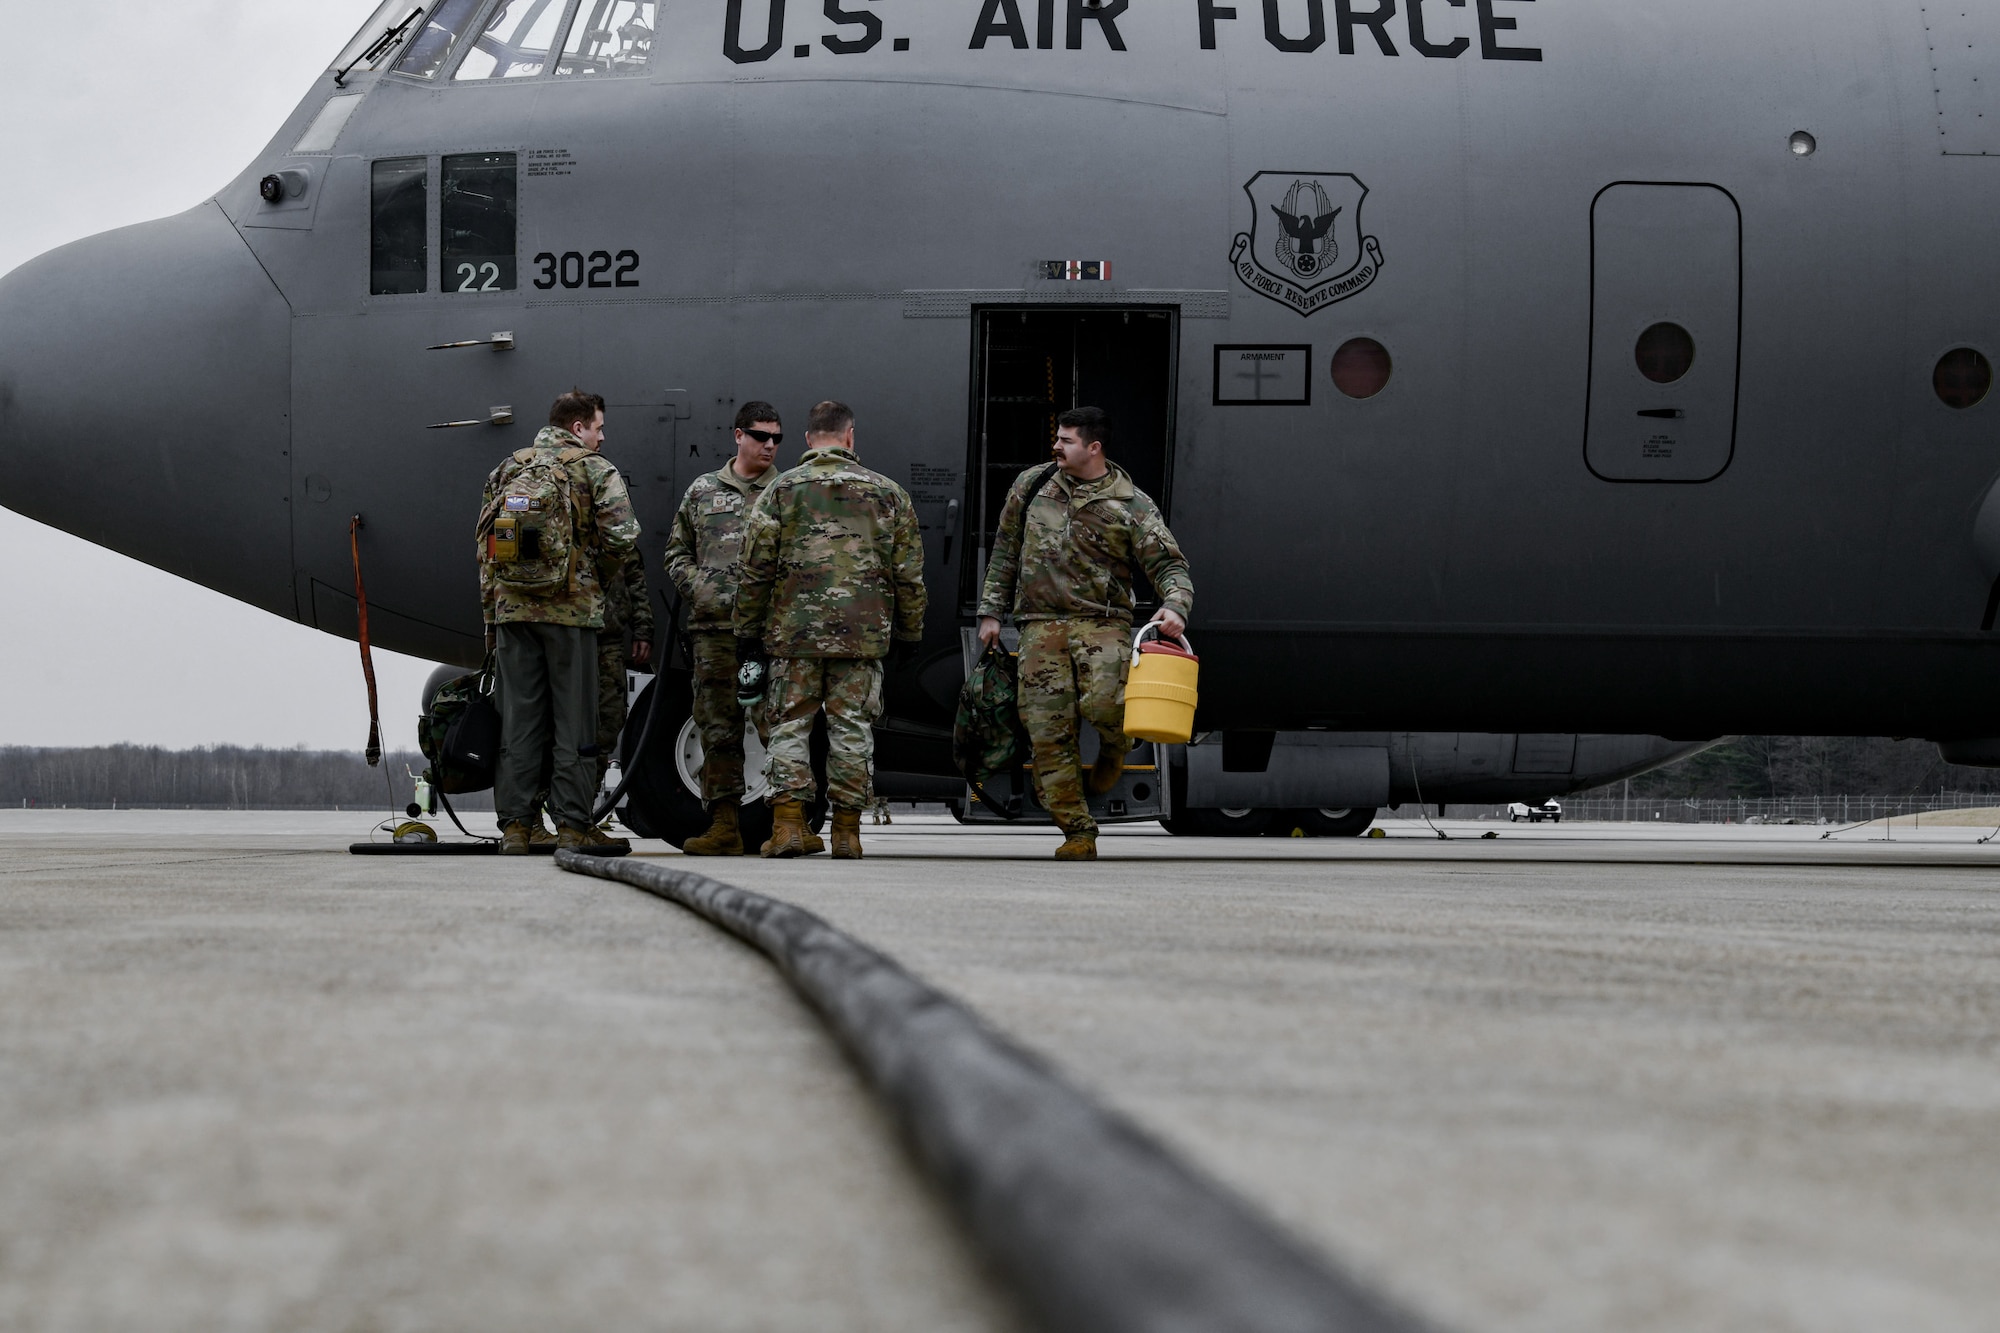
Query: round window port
[1803, 144]
[1665, 353]
[272, 188]
[1361, 368]
[1963, 378]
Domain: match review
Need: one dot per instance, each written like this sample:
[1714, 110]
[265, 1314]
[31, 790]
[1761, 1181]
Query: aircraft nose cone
[145, 389]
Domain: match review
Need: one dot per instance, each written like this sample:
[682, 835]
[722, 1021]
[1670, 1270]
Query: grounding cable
[1410, 739]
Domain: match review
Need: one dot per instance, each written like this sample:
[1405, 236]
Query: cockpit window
[426, 53]
[386, 29]
[398, 226]
[516, 42]
[610, 37]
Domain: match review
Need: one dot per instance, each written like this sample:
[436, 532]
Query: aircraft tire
[1219, 823]
[658, 801]
[1349, 823]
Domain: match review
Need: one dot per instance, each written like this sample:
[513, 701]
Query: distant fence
[1745, 810]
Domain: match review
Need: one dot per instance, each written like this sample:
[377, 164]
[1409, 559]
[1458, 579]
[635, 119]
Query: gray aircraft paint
[217, 393]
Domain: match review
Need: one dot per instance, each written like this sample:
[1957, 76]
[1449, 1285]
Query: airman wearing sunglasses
[701, 560]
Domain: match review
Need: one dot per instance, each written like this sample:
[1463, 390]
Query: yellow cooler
[1160, 693]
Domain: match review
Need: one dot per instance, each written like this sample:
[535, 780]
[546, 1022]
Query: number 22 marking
[469, 274]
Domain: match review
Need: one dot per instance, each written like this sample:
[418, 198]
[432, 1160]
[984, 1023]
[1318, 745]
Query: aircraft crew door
[1666, 297]
[1031, 364]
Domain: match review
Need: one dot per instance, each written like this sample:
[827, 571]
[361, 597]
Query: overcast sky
[112, 113]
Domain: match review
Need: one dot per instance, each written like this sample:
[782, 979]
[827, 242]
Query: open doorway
[1031, 364]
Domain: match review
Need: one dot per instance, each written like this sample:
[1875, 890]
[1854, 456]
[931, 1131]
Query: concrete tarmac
[1581, 1077]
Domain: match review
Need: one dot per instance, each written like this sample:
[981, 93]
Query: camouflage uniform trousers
[1072, 669]
[850, 690]
[719, 717]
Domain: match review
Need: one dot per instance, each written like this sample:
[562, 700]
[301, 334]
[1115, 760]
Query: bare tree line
[219, 777]
[238, 778]
[1793, 767]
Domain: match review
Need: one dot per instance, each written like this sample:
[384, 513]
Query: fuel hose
[610, 803]
[1095, 1224]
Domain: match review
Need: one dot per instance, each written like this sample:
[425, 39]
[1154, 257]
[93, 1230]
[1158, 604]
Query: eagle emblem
[1307, 230]
[1304, 248]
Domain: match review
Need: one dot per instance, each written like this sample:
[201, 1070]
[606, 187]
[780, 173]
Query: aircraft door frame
[1148, 335]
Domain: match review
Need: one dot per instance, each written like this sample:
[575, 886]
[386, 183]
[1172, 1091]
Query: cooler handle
[1152, 627]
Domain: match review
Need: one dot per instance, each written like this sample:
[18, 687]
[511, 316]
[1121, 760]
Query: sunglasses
[766, 436]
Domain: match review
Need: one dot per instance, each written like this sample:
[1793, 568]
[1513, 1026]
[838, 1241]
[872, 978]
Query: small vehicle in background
[1535, 814]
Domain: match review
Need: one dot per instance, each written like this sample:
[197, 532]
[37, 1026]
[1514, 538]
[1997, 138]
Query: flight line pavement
[1574, 1077]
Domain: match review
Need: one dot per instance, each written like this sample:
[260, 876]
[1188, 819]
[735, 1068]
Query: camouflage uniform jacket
[1082, 539]
[605, 526]
[707, 542]
[832, 564]
[628, 598]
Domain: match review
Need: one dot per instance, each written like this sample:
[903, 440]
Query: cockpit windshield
[426, 53]
[610, 37]
[385, 30]
[516, 41]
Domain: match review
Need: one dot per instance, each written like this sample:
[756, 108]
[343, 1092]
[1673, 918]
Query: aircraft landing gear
[1219, 823]
[1348, 823]
[663, 796]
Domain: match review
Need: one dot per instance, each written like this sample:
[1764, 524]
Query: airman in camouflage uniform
[702, 557]
[833, 575]
[1062, 565]
[546, 645]
[628, 612]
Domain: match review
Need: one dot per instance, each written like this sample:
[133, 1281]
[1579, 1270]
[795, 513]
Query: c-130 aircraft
[1539, 389]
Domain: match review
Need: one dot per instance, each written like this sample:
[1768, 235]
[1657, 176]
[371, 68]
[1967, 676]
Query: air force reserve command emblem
[1304, 248]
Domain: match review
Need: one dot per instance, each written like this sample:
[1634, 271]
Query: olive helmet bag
[530, 531]
[459, 733]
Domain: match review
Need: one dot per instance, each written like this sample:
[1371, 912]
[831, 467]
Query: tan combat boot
[539, 837]
[591, 842]
[847, 835]
[724, 836]
[788, 831]
[1104, 774]
[514, 840]
[1078, 847]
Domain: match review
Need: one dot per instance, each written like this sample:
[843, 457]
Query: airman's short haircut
[755, 411]
[829, 418]
[1091, 424]
[575, 406]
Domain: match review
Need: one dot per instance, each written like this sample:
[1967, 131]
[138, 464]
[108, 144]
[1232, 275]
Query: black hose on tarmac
[610, 803]
[1099, 1228]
